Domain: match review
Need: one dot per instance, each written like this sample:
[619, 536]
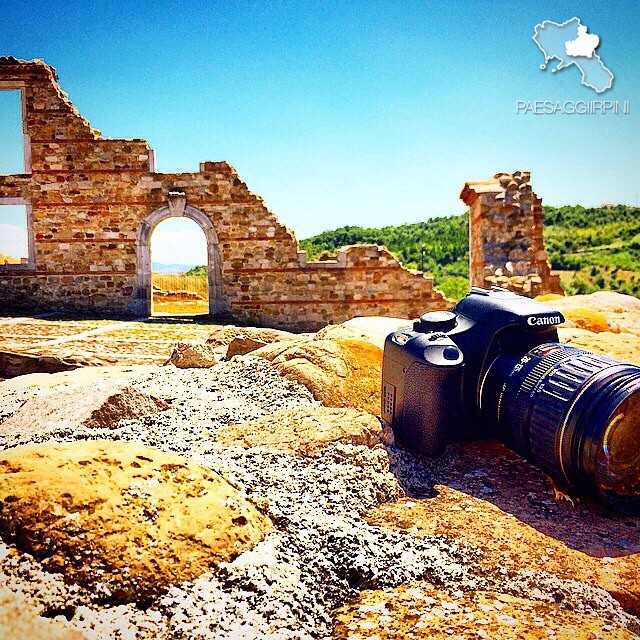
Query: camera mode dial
[441, 321]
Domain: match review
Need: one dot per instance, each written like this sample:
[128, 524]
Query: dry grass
[184, 307]
[7, 259]
[187, 294]
[180, 282]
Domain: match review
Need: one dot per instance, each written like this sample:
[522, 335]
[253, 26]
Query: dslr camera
[493, 368]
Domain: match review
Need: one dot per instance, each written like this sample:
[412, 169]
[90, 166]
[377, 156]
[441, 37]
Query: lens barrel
[573, 413]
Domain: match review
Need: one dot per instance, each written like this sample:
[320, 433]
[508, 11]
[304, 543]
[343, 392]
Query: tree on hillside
[200, 270]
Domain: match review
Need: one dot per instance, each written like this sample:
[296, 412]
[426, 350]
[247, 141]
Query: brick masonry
[506, 246]
[92, 205]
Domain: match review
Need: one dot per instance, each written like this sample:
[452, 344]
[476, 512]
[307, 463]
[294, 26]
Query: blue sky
[366, 113]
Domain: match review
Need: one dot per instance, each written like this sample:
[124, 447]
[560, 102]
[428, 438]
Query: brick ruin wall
[506, 246]
[92, 205]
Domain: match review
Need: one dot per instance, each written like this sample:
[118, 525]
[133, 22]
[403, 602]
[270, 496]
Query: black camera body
[433, 373]
[493, 367]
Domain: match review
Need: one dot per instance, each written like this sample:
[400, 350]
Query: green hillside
[438, 246]
[594, 248]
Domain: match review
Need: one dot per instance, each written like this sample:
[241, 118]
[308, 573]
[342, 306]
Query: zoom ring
[557, 392]
[544, 363]
[545, 395]
[549, 408]
[522, 400]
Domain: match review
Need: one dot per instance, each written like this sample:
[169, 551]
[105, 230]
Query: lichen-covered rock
[340, 331]
[339, 373]
[121, 518]
[604, 322]
[40, 382]
[20, 364]
[306, 429]
[101, 404]
[485, 495]
[188, 355]
[549, 297]
[420, 610]
[587, 319]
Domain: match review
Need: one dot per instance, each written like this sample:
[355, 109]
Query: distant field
[177, 293]
[180, 307]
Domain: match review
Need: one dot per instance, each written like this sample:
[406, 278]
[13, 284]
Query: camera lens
[618, 457]
[573, 413]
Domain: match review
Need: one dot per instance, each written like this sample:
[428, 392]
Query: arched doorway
[179, 268]
[214, 268]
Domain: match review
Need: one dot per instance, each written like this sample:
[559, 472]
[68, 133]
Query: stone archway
[217, 303]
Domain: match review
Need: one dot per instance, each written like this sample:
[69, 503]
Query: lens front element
[617, 463]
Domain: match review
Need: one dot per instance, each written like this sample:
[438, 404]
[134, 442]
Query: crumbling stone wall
[93, 203]
[506, 246]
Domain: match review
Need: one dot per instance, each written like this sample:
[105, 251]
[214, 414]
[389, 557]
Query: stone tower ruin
[92, 204]
[506, 247]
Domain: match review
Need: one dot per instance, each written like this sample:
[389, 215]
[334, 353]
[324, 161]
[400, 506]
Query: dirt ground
[125, 342]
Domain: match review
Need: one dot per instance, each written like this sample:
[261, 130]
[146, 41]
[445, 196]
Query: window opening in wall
[14, 235]
[11, 139]
[179, 268]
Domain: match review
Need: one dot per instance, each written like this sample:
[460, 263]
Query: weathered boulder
[622, 312]
[100, 404]
[373, 329]
[603, 311]
[339, 373]
[603, 322]
[38, 382]
[241, 345]
[19, 364]
[624, 346]
[306, 429]
[224, 335]
[420, 610]
[18, 621]
[121, 518]
[189, 355]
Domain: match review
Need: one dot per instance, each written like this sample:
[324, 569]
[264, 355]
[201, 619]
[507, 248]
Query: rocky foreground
[248, 490]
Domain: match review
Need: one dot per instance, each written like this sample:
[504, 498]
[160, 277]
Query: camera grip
[431, 408]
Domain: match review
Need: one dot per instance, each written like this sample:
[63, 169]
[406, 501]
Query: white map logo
[571, 44]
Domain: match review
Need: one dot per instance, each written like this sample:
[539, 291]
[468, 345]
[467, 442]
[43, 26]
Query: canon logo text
[538, 322]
